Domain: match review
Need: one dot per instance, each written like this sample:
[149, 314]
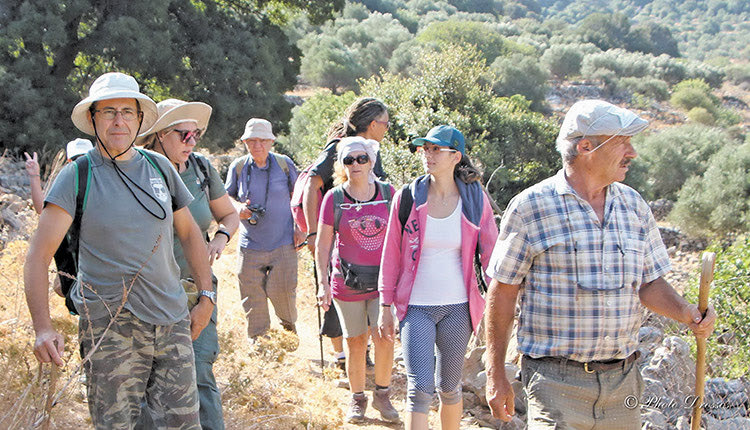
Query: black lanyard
[249, 174]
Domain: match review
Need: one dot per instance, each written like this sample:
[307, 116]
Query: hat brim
[247, 135]
[82, 121]
[420, 141]
[635, 127]
[198, 112]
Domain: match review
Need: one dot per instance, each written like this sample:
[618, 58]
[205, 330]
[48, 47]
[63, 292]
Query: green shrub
[669, 158]
[310, 122]
[701, 116]
[477, 34]
[499, 131]
[619, 61]
[653, 88]
[738, 73]
[520, 74]
[563, 60]
[400, 164]
[696, 93]
[730, 297]
[718, 203]
[689, 98]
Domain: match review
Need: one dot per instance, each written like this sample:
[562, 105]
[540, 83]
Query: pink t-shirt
[359, 240]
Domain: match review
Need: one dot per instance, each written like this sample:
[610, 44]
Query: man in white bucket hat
[128, 293]
[261, 183]
[588, 255]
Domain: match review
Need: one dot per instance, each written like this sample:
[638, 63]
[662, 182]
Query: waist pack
[363, 279]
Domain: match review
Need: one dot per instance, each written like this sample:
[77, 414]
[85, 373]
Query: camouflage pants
[137, 360]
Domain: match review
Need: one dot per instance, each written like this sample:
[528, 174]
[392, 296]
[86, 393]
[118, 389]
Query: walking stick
[707, 276]
[320, 323]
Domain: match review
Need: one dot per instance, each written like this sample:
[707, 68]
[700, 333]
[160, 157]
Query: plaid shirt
[580, 277]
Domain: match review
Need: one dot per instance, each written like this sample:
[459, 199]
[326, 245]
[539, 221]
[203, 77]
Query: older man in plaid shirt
[584, 252]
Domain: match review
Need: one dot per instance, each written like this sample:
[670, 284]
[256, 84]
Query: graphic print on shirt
[367, 230]
[160, 190]
[414, 246]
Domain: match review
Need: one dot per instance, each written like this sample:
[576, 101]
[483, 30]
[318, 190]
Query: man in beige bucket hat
[135, 329]
[260, 184]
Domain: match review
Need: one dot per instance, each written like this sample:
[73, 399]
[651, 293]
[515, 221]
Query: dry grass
[277, 384]
[269, 387]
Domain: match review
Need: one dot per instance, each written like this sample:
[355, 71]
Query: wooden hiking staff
[707, 276]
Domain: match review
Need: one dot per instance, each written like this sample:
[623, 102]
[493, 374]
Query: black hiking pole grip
[320, 322]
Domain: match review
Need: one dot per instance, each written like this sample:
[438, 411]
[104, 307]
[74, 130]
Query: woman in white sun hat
[175, 134]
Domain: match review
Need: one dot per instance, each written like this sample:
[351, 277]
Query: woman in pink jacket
[427, 273]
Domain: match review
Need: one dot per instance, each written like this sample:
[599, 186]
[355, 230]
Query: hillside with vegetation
[502, 71]
[505, 71]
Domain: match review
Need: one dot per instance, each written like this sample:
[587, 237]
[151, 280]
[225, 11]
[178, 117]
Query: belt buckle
[586, 368]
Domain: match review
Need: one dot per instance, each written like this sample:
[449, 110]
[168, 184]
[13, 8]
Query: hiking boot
[290, 327]
[341, 363]
[381, 401]
[357, 408]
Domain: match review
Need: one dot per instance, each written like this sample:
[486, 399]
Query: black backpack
[406, 201]
[66, 256]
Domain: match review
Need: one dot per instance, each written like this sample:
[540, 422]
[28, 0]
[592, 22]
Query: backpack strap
[82, 165]
[67, 252]
[281, 161]
[385, 192]
[338, 200]
[161, 172]
[240, 164]
[203, 169]
[405, 203]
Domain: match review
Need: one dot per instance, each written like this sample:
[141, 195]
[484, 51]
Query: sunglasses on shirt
[185, 135]
[361, 159]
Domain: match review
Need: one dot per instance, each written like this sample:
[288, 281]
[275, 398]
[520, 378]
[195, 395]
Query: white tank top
[439, 279]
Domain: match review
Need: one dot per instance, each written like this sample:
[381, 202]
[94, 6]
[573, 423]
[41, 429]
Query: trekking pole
[707, 276]
[320, 322]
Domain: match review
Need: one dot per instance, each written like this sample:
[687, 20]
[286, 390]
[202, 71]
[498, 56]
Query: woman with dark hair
[174, 135]
[427, 273]
[368, 118]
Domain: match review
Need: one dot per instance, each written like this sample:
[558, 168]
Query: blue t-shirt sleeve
[230, 185]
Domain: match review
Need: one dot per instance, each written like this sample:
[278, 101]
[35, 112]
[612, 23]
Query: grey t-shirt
[119, 238]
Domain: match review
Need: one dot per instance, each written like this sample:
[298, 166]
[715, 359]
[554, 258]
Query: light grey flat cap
[599, 118]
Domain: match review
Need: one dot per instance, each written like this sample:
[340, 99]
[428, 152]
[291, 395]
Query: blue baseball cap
[443, 135]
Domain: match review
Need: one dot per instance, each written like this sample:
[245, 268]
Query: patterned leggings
[448, 327]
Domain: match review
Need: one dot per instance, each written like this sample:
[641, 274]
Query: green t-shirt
[199, 207]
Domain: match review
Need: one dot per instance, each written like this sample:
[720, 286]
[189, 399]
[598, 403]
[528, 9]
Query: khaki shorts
[357, 316]
[565, 396]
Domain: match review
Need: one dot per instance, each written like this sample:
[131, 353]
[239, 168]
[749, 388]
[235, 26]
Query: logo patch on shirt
[368, 231]
[160, 190]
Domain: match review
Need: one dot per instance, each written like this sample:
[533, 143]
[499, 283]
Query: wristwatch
[210, 294]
